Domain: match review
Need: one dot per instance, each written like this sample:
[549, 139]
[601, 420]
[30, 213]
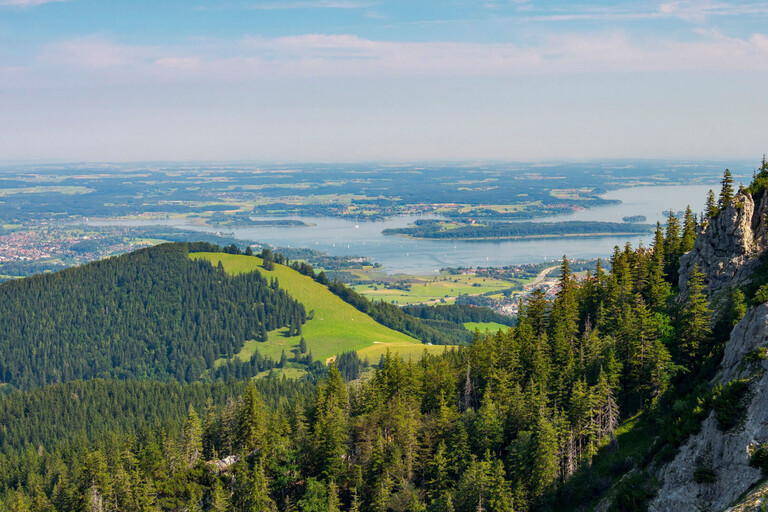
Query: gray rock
[725, 249]
[727, 453]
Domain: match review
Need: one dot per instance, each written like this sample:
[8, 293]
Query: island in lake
[634, 218]
[473, 230]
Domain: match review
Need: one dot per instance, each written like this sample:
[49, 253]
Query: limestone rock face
[727, 453]
[725, 249]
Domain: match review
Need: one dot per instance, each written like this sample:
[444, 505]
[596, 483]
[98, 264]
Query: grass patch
[289, 373]
[407, 351]
[492, 327]
[335, 326]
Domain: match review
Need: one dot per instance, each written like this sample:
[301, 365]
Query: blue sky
[358, 80]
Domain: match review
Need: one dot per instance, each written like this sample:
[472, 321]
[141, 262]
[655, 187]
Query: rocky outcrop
[724, 453]
[725, 249]
[224, 465]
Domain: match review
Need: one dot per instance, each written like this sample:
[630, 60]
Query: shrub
[759, 457]
[632, 494]
[757, 355]
[761, 295]
[728, 402]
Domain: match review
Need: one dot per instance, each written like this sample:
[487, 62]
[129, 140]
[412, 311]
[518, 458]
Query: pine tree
[489, 426]
[689, 231]
[251, 420]
[219, 497]
[726, 192]
[331, 425]
[334, 504]
[658, 289]
[354, 505]
[672, 247]
[252, 490]
[738, 305]
[192, 438]
[544, 464]
[711, 208]
[438, 481]
[564, 316]
[694, 330]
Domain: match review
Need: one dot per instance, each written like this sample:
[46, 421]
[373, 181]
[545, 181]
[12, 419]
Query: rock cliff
[724, 453]
[727, 251]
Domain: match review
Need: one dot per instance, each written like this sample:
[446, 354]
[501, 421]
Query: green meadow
[492, 327]
[334, 327]
[405, 350]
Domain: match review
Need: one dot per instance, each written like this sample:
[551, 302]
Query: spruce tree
[694, 330]
[659, 289]
[689, 231]
[672, 248]
[726, 192]
[330, 435]
[192, 438]
[219, 497]
[334, 504]
[711, 208]
[251, 420]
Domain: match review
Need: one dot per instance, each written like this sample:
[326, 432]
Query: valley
[536, 384]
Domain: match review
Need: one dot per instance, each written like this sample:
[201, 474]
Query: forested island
[471, 230]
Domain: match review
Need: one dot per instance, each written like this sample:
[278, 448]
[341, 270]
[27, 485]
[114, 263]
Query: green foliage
[728, 402]
[695, 335]
[760, 182]
[632, 494]
[761, 295]
[757, 355]
[758, 457]
[711, 205]
[726, 192]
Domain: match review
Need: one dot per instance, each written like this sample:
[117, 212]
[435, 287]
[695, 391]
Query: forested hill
[153, 313]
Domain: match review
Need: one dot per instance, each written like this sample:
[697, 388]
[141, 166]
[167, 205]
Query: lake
[397, 254]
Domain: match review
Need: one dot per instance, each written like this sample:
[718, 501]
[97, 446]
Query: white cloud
[343, 55]
[97, 52]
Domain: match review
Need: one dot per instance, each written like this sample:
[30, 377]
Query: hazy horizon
[382, 81]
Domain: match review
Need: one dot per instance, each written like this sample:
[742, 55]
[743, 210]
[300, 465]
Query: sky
[368, 80]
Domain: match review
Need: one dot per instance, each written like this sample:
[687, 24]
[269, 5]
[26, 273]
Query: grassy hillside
[334, 327]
